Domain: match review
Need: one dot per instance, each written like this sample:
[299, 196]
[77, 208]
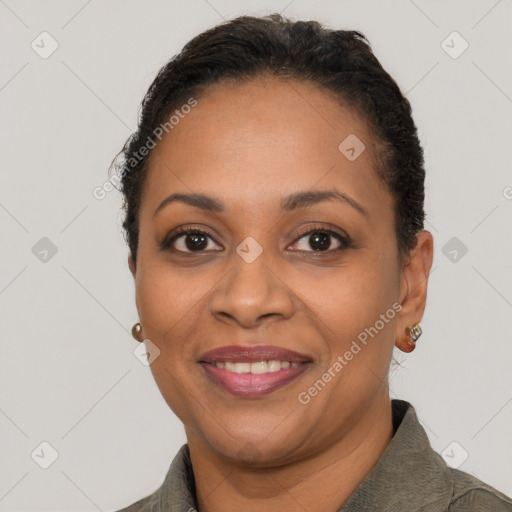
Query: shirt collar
[408, 476]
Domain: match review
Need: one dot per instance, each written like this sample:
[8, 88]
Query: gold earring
[136, 330]
[415, 332]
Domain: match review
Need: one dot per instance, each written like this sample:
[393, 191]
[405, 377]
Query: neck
[321, 482]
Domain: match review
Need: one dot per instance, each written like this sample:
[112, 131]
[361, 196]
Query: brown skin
[249, 146]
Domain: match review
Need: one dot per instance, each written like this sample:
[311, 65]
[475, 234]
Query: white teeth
[274, 366]
[257, 367]
[260, 367]
[241, 367]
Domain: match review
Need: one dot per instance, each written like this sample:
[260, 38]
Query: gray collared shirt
[409, 477]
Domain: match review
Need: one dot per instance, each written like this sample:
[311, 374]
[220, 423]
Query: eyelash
[343, 239]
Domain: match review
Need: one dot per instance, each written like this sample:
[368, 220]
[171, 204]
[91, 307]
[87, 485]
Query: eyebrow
[292, 202]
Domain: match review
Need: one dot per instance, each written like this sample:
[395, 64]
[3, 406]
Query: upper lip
[252, 354]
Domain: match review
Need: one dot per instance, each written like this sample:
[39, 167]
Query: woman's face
[281, 272]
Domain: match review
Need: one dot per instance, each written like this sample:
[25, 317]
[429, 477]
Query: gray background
[68, 375]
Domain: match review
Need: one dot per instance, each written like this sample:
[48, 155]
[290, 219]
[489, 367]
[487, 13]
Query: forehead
[265, 135]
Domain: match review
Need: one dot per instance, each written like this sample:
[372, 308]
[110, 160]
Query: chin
[251, 447]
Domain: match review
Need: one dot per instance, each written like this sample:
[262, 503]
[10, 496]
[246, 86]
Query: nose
[251, 293]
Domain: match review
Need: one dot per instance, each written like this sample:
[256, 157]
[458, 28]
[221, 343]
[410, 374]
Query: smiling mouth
[248, 384]
[256, 368]
[255, 371]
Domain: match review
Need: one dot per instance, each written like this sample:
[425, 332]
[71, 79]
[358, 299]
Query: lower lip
[251, 384]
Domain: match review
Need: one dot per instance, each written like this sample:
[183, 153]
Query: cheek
[341, 300]
[352, 297]
[167, 300]
[355, 313]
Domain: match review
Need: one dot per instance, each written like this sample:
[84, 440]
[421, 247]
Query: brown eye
[194, 241]
[188, 240]
[321, 240]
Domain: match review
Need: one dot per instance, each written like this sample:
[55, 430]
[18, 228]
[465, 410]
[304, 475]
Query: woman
[274, 196]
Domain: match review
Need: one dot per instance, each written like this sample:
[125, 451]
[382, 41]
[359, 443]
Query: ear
[413, 289]
[132, 265]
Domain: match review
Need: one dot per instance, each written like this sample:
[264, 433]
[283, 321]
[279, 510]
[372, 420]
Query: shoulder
[472, 495]
[177, 491]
